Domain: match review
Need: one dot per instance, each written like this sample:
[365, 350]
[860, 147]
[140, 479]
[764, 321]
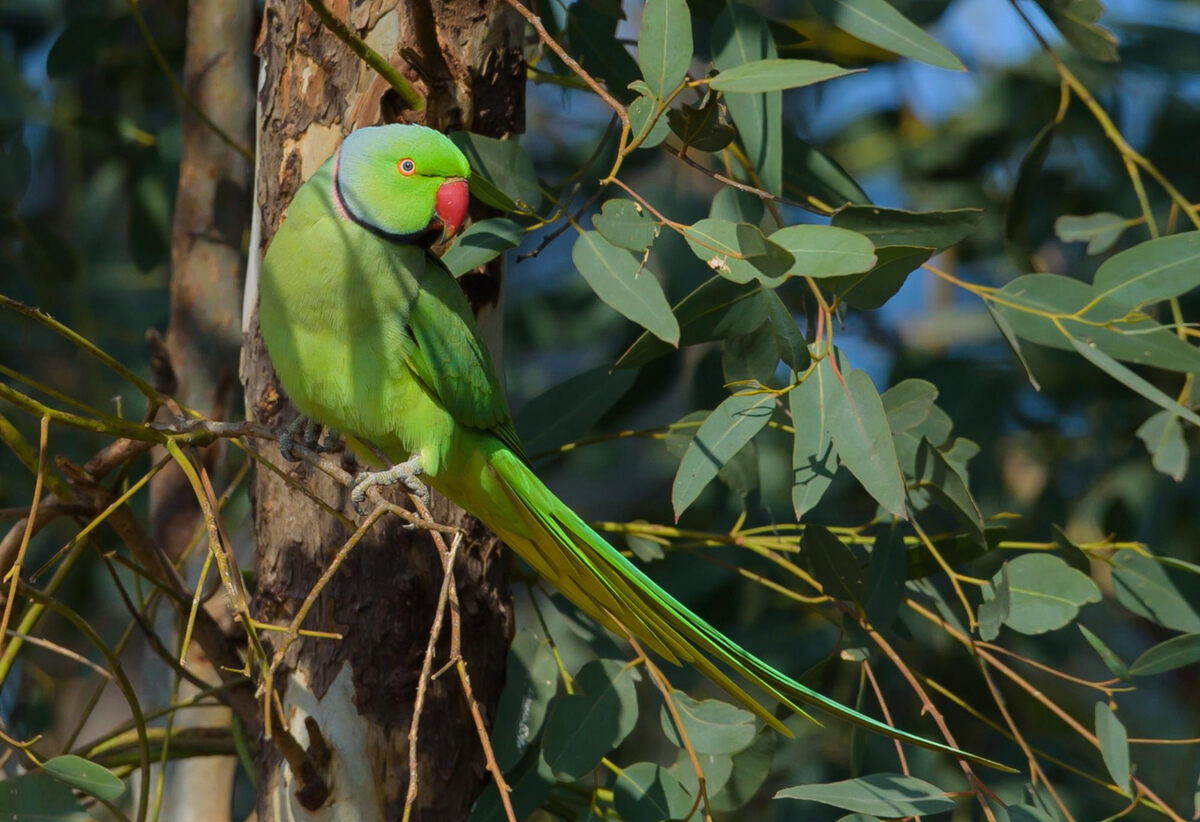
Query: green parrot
[372, 336]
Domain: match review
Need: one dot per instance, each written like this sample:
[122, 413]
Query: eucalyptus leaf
[1176, 652]
[775, 74]
[626, 224]
[879, 23]
[1109, 657]
[814, 458]
[503, 163]
[481, 243]
[665, 44]
[645, 792]
[713, 726]
[1163, 436]
[568, 410]
[85, 776]
[882, 794]
[1044, 593]
[584, 726]
[893, 226]
[1146, 588]
[860, 433]
[740, 35]
[1114, 745]
[1100, 231]
[722, 435]
[825, 251]
[622, 282]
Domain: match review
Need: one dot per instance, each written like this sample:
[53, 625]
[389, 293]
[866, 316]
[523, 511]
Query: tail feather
[611, 589]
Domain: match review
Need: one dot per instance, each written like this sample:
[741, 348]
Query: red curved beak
[453, 197]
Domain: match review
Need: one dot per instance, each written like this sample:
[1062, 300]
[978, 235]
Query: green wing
[451, 358]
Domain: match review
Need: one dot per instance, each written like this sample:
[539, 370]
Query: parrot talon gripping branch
[371, 335]
[406, 472]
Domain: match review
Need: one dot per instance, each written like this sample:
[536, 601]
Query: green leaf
[1078, 22]
[832, 564]
[1143, 341]
[775, 74]
[530, 782]
[736, 206]
[1114, 745]
[1100, 231]
[85, 776]
[1132, 380]
[860, 433]
[1010, 337]
[885, 578]
[665, 45]
[874, 288]
[717, 309]
[733, 424]
[567, 411]
[622, 282]
[908, 403]
[701, 128]
[1163, 436]
[1044, 593]
[1144, 587]
[814, 458]
[752, 358]
[592, 35]
[811, 175]
[1147, 273]
[530, 683]
[626, 224]
[882, 794]
[739, 35]
[1107, 655]
[717, 769]
[713, 726]
[504, 164]
[878, 23]
[38, 797]
[996, 605]
[750, 769]
[825, 251]
[481, 243]
[645, 792]
[934, 474]
[1167, 656]
[893, 226]
[738, 251]
[645, 127]
[644, 548]
[584, 726]
[789, 340]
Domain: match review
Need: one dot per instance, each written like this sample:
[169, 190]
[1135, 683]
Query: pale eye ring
[406, 166]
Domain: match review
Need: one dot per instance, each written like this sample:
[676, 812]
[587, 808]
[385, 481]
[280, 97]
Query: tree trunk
[360, 689]
[204, 334]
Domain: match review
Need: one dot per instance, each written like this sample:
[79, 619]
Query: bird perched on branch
[372, 336]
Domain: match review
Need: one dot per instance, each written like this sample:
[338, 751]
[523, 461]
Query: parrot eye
[406, 166]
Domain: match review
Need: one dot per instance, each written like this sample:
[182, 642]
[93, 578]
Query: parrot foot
[406, 472]
[306, 432]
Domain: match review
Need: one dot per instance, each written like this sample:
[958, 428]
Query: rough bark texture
[361, 689]
[204, 334]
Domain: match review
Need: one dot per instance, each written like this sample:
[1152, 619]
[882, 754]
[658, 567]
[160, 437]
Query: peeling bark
[360, 690]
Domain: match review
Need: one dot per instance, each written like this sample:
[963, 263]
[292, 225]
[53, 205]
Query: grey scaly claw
[406, 472]
[314, 442]
[288, 439]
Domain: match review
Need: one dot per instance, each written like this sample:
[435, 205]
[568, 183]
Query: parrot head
[404, 182]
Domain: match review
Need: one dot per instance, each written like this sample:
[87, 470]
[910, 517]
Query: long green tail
[614, 591]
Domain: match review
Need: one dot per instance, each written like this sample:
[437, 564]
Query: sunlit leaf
[621, 281]
[860, 433]
[644, 126]
[1146, 588]
[664, 44]
[733, 424]
[1147, 273]
[775, 74]
[877, 22]
[739, 35]
[504, 163]
[626, 224]
[814, 458]
[825, 251]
